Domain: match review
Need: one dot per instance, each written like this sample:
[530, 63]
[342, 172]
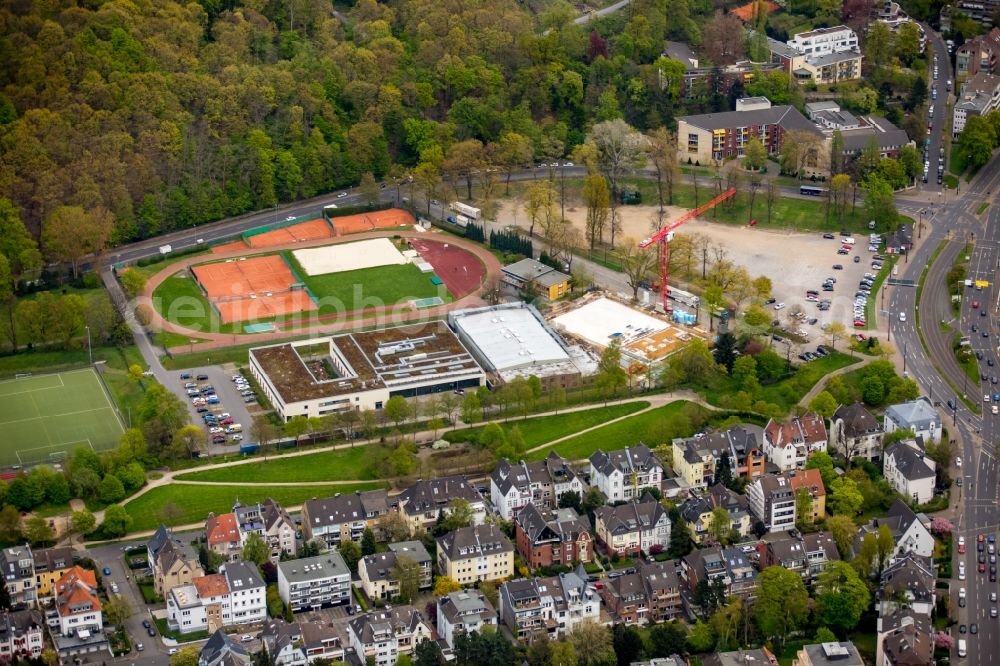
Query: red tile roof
[222, 529]
[75, 589]
[213, 585]
[810, 479]
[748, 12]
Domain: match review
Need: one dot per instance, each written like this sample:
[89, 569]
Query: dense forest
[168, 114]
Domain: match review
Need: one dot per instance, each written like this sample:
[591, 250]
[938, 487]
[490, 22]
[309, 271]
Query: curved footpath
[220, 340]
[655, 401]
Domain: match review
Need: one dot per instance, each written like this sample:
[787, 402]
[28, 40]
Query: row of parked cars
[220, 425]
[821, 351]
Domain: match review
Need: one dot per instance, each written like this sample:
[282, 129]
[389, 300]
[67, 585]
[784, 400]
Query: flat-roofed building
[314, 582]
[549, 282]
[362, 370]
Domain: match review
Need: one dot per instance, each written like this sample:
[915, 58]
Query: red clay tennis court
[459, 269]
[380, 219]
[296, 233]
[257, 284]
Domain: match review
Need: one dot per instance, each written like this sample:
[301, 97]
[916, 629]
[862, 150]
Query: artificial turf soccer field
[44, 417]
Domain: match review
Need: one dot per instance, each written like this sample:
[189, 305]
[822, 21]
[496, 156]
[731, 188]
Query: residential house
[548, 282]
[908, 582]
[651, 594]
[909, 471]
[21, 635]
[788, 444]
[806, 555]
[383, 635]
[828, 654]
[172, 562]
[623, 474]
[378, 570]
[425, 500]
[855, 432]
[906, 639]
[283, 642]
[755, 657]
[314, 582]
[321, 641]
[463, 612]
[917, 415]
[627, 529]
[772, 502]
[18, 567]
[812, 481]
[730, 565]
[223, 650]
[683, 53]
[672, 660]
[513, 485]
[713, 137]
[223, 537]
[77, 614]
[825, 40]
[743, 444]
[697, 511]
[554, 605]
[910, 531]
[50, 565]
[979, 96]
[234, 596]
[545, 537]
[270, 520]
[343, 517]
[476, 553]
[978, 55]
[694, 463]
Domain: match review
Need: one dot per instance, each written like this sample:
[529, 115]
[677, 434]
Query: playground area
[379, 219]
[253, 288]
[45, 417]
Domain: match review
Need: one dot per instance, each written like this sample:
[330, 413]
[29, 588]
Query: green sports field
[44, 417]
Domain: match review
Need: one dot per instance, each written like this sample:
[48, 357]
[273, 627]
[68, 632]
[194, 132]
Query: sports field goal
[49, 455]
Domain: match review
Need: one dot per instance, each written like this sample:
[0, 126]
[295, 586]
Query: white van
[961, 647]
[849, 240]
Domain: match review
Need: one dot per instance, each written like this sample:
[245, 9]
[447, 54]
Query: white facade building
[622, 475]
[825, 41]
[313, 582]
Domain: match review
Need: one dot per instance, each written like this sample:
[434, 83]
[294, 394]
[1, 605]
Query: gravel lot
[795, 262]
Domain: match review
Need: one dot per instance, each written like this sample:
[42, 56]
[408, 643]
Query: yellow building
[50, 565]
[472, 554]
[549, 282]
[812, 481]
[694, 464]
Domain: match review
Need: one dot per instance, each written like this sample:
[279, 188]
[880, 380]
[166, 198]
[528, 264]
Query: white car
[961, 570]
[993, 597]
[342, 195]
[902, 316]
[215, 430]
[995, 410]
[237, 437]
[958, 461]
[779, 306]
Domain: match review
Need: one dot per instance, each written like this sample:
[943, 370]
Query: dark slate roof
[158, 540]
[553, 469]
[788, 117]
[436, 494]
[909, 461]
[346, 508]
[380, 565]
[564, 524]
[475, 541]
[241, 576]
[858, 421]
[400, 619]
[909, 573]
[637, 458]
[221, 650]
[631, 517]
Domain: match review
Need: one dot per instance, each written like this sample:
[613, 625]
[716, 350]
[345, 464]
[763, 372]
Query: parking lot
[230, 401]
[796, 262]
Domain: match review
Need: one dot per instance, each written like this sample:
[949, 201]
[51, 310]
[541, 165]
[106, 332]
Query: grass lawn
[541, 429]
[648, 427]
[983, 206]
[787, 392]
[170, 339]
[191, 503]
[957, 164]
[180, 300]
[368, 287]
[340, 465]
[161, 626]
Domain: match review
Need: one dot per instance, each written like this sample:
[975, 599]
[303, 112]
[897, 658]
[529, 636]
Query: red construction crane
[666, 234]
